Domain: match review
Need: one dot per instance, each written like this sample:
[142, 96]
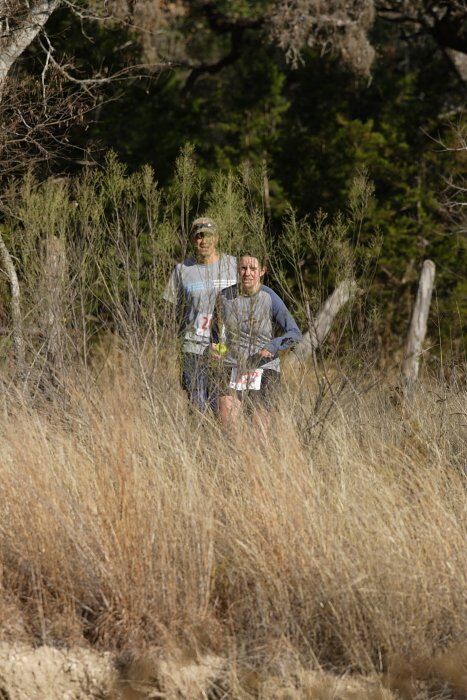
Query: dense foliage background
[313, 123]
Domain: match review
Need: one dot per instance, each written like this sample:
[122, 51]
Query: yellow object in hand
[220, 348]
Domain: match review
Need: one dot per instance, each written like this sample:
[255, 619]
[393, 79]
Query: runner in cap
[251, 325]
[192, 289]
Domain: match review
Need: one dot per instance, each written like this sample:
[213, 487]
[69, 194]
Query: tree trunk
[16, 40]
[417, 330]
[321, 324]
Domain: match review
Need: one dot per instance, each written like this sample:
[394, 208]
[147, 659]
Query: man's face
[205, 243]
[250, 272]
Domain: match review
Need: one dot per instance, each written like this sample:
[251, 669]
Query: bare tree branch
[14, 42]
[322, 323]
[38, 114]
[445, 22]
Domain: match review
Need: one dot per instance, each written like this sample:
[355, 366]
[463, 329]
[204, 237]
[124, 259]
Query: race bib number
[201, 327]
[240, 381]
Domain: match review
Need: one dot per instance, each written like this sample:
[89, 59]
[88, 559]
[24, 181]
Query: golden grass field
[321, 562]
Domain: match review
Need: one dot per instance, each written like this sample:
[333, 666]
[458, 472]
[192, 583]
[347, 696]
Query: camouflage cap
[203, 225]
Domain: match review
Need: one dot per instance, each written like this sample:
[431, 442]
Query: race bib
[201, 327]
[246, 380]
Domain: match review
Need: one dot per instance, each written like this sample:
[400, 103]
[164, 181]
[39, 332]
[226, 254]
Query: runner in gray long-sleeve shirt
[251, 325]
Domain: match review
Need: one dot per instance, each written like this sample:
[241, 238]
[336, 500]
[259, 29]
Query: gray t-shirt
[193, 287]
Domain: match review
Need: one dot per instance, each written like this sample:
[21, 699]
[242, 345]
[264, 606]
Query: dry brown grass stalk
[130, 524]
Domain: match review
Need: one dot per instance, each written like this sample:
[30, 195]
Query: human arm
[283, 319]
[172, 291]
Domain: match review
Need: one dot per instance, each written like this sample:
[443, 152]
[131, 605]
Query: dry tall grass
[129, 523]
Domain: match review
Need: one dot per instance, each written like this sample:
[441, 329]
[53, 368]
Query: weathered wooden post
[417, 330]
[321, 324]
[18, 338]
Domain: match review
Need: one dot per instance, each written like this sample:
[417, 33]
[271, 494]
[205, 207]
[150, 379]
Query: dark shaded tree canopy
[313, 94]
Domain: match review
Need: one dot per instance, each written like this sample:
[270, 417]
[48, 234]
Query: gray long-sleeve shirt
[247, 324]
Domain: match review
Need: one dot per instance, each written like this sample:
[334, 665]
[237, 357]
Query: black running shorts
[266, 396]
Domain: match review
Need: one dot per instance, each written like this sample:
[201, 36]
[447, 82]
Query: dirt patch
[55, 674]
[47, 673]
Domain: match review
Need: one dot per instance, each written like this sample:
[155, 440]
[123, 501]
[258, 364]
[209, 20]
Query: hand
[214, 353]
[265, 353]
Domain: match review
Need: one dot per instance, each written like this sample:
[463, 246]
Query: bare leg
[229, 411]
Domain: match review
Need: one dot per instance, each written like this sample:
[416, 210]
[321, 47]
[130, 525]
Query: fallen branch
[322, 322]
